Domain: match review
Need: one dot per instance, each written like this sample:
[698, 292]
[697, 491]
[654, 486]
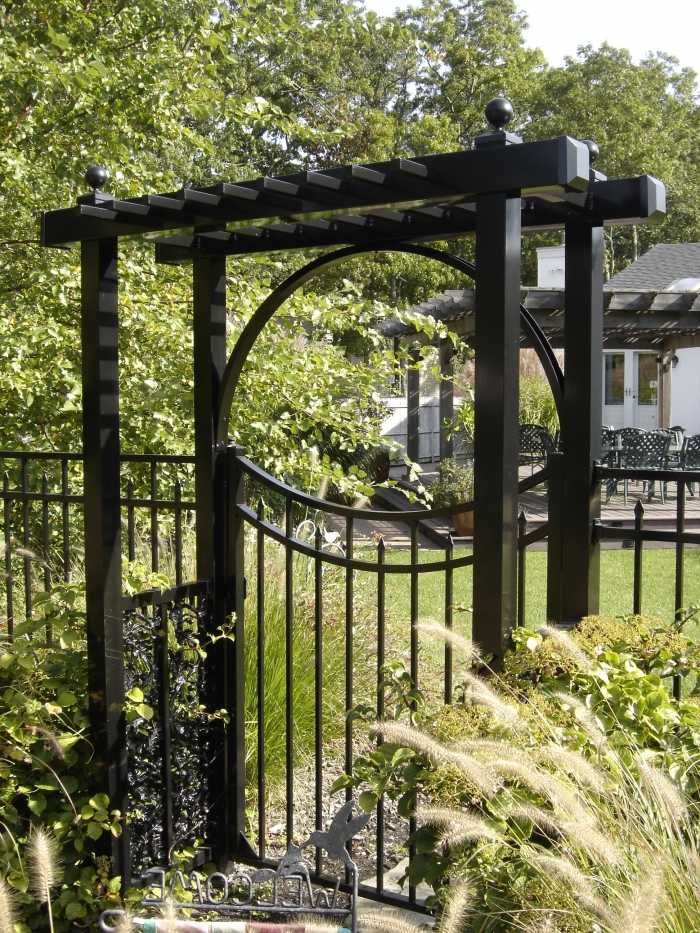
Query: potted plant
[456, 485]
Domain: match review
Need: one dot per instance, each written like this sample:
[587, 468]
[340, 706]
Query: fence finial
[97, 177]
[499, 112]
[593, 149]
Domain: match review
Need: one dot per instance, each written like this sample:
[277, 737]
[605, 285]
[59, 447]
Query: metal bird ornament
[340, 832]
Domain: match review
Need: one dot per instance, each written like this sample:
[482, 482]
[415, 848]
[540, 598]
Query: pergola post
[581, 423]
[446, 396]
[497, 341]
[209, 299]
[666, 387]
[103, 563]
[413, 408]
[209, 303]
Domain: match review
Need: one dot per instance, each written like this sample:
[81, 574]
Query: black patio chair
[532, 446]
[690, 456]
[645, 451]
[677, 443]
[622, 433]
[679, 431]
[607, 442]
[550, 443]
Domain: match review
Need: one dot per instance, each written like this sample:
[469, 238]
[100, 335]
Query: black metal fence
[42, 496]
[168, 727]
[169, 732]
[355, 558]
[174, 738]
[639, 534]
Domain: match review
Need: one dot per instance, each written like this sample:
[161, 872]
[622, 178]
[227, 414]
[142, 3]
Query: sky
[558, 27]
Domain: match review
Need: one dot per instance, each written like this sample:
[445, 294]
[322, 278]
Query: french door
[630, 389]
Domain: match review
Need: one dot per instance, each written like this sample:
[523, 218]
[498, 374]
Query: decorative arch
[292, 283]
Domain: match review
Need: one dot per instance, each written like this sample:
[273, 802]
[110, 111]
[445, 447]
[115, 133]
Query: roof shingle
[660, 267]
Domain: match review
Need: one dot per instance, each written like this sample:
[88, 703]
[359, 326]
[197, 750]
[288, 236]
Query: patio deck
[433, 532]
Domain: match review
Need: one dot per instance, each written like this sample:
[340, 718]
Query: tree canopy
[192, 92]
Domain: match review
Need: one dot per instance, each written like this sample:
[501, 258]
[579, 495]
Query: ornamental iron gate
[183, 773]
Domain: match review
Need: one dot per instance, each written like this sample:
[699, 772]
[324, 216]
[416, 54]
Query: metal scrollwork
[292, 889]
[167, 733]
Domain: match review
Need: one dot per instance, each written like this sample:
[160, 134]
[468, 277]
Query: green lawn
[658, 584]
[616, 599]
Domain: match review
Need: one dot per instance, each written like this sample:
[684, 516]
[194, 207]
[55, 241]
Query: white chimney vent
[550, 267]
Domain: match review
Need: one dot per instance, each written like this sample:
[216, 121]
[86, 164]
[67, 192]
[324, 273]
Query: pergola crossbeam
[556, 166]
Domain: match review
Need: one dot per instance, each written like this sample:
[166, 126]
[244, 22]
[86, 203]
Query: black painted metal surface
[581, 432]
[103, 561]
[496, 420]
[495, 190]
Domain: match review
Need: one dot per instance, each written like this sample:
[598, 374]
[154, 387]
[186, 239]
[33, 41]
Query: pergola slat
[557, 166]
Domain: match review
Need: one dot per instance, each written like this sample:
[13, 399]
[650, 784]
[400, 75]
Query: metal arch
[284, 290]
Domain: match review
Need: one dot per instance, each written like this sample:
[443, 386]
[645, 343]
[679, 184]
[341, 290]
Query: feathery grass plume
[542, 925]
[170, 914]
[585, 718]
[480, 774]
[664, 789]
[44, 867]
[576, 765]
[383, 920]
[641, 912]
[544, 820]
[360, 502]
[486, 696]
[498, 749]
[584, 835]
[542, 782]
[465, 645]
[51, 741]
[125, 922]
[313, 458]
[692, 859]
[312, 924]
[8, 908]
[322, 488]
[567, 645]
[458, 827]
[579, 883]
[457, 909]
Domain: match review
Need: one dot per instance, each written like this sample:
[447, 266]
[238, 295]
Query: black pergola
[495, 192]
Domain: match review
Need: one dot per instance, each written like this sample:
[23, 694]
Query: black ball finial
[96, 176]
[499, 112]
[593, 150]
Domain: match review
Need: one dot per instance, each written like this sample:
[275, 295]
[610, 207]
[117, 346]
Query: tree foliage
[190, 93]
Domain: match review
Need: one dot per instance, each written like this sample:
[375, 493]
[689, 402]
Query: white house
[651, 340]
[648, 388]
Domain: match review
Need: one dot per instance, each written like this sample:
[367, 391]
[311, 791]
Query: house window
[647, 379]
[614, 378]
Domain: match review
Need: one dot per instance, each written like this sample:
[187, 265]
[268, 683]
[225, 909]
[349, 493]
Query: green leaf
[368, 800]
[145, 711]
[340, 782]
[37, 804]
[99, 802]
[94, 830]
[75, 910]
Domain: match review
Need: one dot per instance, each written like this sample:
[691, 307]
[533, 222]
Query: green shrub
[537, 402]
[46, 772]
[564, 790]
